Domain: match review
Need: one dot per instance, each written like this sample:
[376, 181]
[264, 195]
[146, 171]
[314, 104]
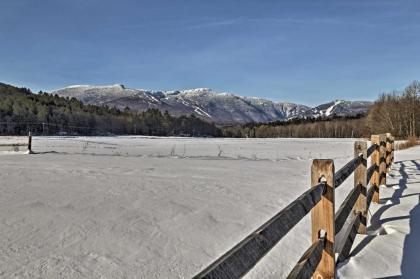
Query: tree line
[45, 114]
[331, 127]
[394, 112]
[397, 112]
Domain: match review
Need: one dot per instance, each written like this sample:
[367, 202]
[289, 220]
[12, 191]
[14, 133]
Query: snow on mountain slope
[329, 110]
[219, 107]
[338, 108]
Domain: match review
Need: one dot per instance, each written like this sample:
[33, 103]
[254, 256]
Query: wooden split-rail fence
[16, 146]
[319, 260]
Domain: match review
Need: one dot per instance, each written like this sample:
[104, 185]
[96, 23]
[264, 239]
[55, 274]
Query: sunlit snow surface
[142, 207]
[392, 247]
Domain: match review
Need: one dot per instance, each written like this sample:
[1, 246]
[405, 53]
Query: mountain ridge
[218, 107]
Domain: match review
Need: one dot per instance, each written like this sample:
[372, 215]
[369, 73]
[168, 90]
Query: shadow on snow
[411, 261]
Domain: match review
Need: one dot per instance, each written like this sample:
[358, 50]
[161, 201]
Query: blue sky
[300, 51]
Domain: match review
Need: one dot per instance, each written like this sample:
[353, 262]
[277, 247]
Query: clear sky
[300, 51]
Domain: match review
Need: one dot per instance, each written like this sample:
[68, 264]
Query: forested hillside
[22, 111]
[395, 112]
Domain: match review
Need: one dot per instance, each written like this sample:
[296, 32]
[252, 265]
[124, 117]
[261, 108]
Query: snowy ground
[392, 247]
[137, 207]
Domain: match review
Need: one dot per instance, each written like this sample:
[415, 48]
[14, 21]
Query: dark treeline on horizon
[324, 127]
[396, 112]
[45, 114]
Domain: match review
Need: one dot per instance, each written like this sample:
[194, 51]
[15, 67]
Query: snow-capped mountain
[222, 108]
[338, 108]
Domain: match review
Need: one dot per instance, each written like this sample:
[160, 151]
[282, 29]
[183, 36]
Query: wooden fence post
[360, 178]
[382, 155]
[392, 149]
[374, 181]
[388, 151]
[322, 216]
[30, 142]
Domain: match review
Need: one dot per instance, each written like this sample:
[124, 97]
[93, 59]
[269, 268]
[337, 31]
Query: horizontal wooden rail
[347, 170]
[370, 172]
[370, 150]
[344, 247]
[346, 208]
[241, 258]
[370, 193]
[389, 152]
[319, 260]
[309, 261]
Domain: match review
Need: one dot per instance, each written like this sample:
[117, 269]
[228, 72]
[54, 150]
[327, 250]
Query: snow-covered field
[141, 207]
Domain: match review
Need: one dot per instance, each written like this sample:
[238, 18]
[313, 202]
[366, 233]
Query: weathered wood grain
[392, 149]
[388, 148]
[307, 264]
[343, 248]
[370, 172]
[342, 174]
[371, 149]
[375, 161]
[322, 216]
[382, 160]
[370, 193]
[346, 208]
[360, 179]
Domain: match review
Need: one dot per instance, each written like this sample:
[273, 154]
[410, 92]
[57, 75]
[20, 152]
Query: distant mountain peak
[121, 86]
[219, 107]
[199, 90]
